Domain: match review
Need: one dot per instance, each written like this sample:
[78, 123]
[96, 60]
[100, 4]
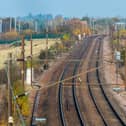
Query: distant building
[0, 25]
[76, 21]
[59, 20]
[120, 25]
[36, 26]
[8, 24]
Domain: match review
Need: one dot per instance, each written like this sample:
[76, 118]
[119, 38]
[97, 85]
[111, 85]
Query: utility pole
[111, 30]
[31, 59]
[10, 115]
[117, 51]
[125, 66]
[46, 62]
[23, 61]
[118, 39]
[93, 26]
[19, 26]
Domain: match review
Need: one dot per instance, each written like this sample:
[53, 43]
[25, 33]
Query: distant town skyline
[67, 8]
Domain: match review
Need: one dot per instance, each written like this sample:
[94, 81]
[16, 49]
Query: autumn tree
[23, 101]
[10, 35]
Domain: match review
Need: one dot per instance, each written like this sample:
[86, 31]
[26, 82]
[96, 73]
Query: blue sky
[69, 8]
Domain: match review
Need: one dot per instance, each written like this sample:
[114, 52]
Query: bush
[123, 55]
[43, 54]
[22, 101]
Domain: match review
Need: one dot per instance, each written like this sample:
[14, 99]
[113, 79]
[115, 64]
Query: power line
[15, 102]
[10, 115]
[69, 78]
[49, 85]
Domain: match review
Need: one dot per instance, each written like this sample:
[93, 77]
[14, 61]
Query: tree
[76, 31]
[27, 32]
[23, 101]
[86, 18]
[115, 19]
[122, 33]
[66, 37]
[10, 35]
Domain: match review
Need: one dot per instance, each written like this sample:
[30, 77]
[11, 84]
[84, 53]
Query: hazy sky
[77, 8]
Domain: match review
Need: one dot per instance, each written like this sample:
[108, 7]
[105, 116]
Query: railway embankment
[115, 85]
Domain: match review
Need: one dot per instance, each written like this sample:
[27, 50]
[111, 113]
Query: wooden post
[46, 61]
[31, 59]
[125, 65]
[23, 62]
[10, 115]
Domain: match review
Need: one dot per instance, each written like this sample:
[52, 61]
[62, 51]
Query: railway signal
[21, 95]
[80, 80]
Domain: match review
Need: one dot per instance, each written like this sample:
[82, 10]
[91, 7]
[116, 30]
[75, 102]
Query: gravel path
[47, 103]
[111, 76]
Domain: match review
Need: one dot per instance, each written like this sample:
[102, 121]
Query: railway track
[75, 97]
[74, 112]
[33, 121]
[35, 106]
[103, 105]
[73, 88]
[77, 107]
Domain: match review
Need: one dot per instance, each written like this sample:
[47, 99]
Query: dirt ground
[45, 106]
[112, 77]
[38, 45]
[3, 110]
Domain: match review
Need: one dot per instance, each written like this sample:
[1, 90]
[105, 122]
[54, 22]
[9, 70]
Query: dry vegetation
[38, 45]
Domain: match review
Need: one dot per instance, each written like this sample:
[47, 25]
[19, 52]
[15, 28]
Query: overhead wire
[17, 106]
[69, 78]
